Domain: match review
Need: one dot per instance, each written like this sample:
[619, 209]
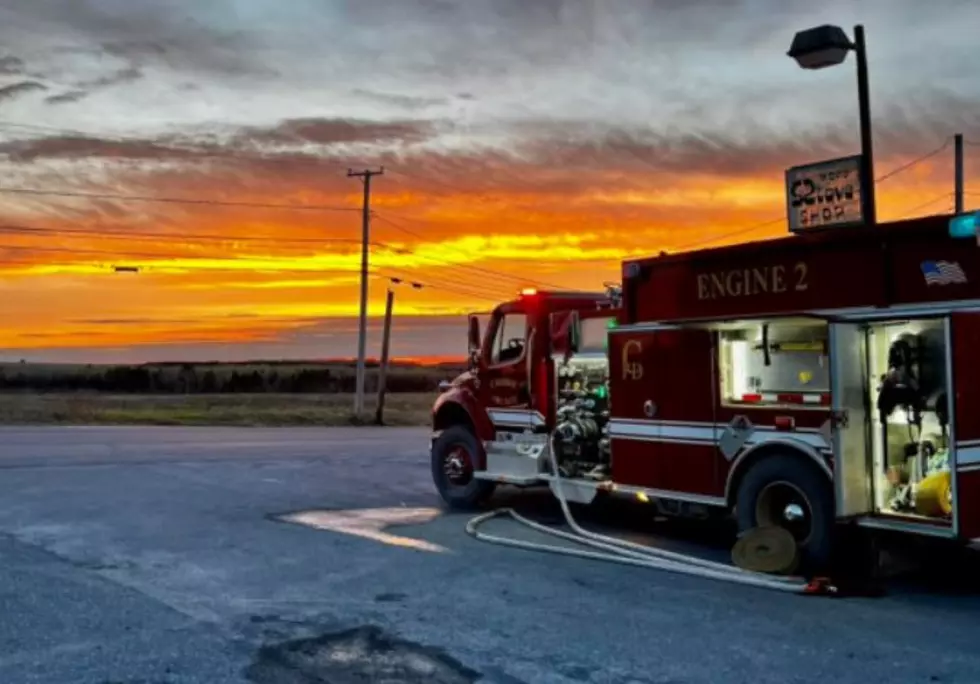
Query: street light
[825, 46]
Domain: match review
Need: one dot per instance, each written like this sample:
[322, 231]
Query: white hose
[625, 552]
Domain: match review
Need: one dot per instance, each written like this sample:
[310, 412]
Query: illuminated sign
[749, 282]
[965, 226]
[824, 195]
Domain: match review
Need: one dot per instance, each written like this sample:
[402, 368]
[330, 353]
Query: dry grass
[83, 408]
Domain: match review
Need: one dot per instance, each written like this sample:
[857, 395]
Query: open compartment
[910, 420]
[777, 363]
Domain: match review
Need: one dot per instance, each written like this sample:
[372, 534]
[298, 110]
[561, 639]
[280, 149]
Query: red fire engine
[806, 382]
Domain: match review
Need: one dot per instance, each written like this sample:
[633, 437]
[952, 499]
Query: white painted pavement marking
[369, 523]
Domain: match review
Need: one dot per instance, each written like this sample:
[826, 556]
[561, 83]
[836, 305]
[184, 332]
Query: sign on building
[826, 194]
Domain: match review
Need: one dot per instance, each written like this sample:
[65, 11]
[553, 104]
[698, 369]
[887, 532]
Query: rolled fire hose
[625, 552]
[933, 497]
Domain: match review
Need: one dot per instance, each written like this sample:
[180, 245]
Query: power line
[123, 235]
[758, 226]
[172, 200]
[945, 196]
[473, 268]
[734, 233]
[914, 162]
[127, 254]
[436, 285]
[426, 282]
[120, 234]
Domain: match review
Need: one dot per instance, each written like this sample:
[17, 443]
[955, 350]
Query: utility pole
[366, 176]
[385, 347]
[383, 373]
[958, 170]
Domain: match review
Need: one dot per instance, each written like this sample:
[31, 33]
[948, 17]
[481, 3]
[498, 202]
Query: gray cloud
[82, 147]
[85, 88]
[165, 33]
[403, 101]
[65, 98]
[121, 76]
[543, 157]
[17, 89]
[338, 131]
[11, 65]
[323, 132]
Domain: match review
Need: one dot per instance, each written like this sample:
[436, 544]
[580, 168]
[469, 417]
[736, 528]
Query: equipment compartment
[779, 363]
[910, 419]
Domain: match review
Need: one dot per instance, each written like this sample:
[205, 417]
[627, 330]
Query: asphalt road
[160, 555]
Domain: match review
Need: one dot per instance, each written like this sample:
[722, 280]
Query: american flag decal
[943, 273]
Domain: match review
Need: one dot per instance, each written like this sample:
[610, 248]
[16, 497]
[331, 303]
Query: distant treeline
[217, 378]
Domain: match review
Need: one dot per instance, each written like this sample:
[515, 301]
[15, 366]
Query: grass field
[260, 409]
[285, 377]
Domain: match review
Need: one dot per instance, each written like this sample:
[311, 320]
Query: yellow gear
[934, 495]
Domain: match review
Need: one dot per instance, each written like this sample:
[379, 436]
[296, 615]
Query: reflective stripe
[811, 398]
[705, 433]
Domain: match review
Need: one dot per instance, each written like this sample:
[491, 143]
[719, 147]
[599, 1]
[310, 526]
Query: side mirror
[574, 331]
[473, 344]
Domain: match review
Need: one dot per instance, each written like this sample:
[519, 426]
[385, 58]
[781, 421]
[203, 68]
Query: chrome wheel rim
[782, 504]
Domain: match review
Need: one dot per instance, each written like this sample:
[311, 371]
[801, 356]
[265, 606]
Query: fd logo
[632, 370]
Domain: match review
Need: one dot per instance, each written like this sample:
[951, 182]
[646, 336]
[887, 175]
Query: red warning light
[528, 292]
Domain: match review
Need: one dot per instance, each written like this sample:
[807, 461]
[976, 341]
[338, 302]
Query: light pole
[385, 346]
[825, 46]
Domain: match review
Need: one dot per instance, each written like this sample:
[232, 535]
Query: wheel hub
[793, 513]
[781, 504]
[456, 466]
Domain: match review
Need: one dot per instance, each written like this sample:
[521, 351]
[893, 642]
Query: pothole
[360, 656]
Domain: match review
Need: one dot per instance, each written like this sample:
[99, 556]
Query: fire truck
[811, 382]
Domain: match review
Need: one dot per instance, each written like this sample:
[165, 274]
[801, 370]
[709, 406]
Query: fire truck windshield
[594, 333]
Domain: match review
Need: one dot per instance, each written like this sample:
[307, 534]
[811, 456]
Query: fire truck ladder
[628, 553]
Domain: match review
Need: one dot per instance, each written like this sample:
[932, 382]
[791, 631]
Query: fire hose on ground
[629, 553]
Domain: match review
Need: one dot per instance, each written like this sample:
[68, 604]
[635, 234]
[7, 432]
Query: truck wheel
[789, 492]
[454, 458]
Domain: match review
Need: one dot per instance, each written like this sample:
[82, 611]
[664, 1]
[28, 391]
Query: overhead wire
[478, 269]
[890, 174]
[256, 205]
[123, 257]
[174, 200]
[437, 285]
[944, 196]
[218, 237]
[914, 162]
[396, 224]
[499, 291]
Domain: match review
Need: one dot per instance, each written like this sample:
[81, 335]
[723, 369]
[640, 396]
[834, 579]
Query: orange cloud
[235, 266]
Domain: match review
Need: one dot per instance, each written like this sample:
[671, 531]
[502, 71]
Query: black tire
[776, 482]
[462, 492]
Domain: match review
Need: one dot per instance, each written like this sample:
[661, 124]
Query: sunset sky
[525, 143]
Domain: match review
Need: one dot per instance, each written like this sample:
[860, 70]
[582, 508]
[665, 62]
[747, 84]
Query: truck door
[504, 381]
[850, 389]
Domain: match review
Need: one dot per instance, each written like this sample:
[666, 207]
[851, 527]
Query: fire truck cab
[809, 382]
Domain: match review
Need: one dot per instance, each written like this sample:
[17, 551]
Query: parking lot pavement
[246, 555]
